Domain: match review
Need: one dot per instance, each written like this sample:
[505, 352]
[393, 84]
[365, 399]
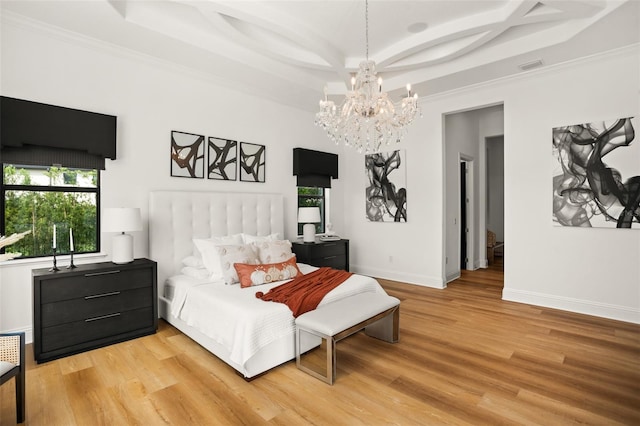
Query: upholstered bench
[377, 313]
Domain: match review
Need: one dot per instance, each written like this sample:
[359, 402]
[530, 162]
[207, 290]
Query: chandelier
[367, 118]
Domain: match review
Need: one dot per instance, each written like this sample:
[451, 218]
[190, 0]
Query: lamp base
[309, 233]
[122, 248]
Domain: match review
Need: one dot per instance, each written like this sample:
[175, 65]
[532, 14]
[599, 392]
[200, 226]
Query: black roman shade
[314, 168]
[33, 133]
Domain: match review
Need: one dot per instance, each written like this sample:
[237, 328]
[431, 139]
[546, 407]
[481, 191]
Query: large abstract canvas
[223, 155]
[252, 162]
[386, 192]
[596, 181]
[187, 155]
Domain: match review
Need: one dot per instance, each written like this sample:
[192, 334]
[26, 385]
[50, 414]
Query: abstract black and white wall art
[252, 162]
[386, 192]
[187, 155]
[223, 159]
[596, 180]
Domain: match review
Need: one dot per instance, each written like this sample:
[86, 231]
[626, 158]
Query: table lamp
[122, 220]
[309, 216]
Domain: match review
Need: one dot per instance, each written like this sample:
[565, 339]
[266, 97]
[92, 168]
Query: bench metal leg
[386, 328]
[325, 366]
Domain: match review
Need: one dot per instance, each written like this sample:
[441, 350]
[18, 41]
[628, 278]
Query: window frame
[52, 188]
[320, 227]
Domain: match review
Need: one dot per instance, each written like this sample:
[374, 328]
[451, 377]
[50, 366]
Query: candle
[54, 235]
[380, 84]
[408, 90]
[71, 239]
[353, 83]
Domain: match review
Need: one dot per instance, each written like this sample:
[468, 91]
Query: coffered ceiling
[289, 50]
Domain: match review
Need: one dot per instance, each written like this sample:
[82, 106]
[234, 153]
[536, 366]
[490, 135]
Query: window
[36, 197]
[313, 197]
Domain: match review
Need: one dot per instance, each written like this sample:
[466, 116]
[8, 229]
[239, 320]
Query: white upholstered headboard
[176, 217]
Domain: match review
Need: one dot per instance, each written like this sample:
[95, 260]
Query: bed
[250, 335]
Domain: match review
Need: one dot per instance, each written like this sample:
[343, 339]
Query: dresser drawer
[95, 328]
[328, 249]
[334, 254]
[94, 283]
[95, 305]
[335, 262]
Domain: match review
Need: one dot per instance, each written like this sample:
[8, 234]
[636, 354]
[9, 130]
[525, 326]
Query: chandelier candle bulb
[408, 90]
[380, 84]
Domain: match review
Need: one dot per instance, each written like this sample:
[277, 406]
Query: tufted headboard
[176, 217]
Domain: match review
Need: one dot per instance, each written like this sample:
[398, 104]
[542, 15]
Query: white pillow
[274, 251]
[199, 273]
[193, 262]
[219, 259]
[250, 239]
[229, 255]
[203, 244]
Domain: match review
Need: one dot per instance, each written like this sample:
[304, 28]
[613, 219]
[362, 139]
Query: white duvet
[233, 316]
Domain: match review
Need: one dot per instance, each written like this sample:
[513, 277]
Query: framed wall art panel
[223, 159]
[187, 155]
[252, 162]
[386, 191]
[596, 177]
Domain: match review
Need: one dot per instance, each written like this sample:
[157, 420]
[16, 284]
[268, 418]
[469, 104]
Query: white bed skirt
[277, 352]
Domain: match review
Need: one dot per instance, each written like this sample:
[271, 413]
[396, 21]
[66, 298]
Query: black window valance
[314, 168]
[33, 133]
[29, 155]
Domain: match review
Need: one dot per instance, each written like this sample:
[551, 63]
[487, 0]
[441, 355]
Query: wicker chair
[12, 364]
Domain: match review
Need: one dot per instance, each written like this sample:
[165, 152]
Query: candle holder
[55, 265]
[71, 265]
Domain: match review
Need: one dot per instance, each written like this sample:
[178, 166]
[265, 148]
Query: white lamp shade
[121, 220]
[309, 215]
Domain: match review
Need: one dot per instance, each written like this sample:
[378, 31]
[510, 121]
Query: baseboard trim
[587, 307]
[386, 274]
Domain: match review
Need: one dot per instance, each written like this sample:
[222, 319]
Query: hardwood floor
[464, 357]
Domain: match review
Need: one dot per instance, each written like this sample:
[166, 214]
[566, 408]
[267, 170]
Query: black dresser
[93, 305]
[334, 254]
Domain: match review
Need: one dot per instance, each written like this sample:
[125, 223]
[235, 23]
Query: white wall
[150, 99]
[545, 265]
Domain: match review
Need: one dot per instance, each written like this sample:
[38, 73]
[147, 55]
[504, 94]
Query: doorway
[465, 140]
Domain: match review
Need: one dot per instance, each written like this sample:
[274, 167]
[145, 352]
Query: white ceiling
[289, 50]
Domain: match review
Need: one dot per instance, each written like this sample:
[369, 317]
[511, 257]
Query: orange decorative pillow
[251, 275]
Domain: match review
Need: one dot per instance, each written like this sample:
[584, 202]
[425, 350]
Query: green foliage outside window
[36, 198]
[312, 197]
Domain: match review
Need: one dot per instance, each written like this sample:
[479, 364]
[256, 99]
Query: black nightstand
[93, 305]
[334, 254]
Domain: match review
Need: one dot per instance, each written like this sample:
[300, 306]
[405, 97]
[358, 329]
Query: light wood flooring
[464, 357]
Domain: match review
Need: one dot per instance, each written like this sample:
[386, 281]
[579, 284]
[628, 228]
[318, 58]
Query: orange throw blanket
[304, 293]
